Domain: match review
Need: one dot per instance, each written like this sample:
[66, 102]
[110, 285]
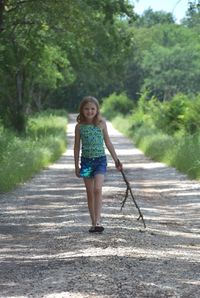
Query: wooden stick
[128, 188]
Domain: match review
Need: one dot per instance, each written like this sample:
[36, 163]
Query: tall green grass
[186, 156]
[180, 151]
[22, 157]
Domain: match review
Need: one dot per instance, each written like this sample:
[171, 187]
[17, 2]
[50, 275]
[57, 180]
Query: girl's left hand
[118, 165]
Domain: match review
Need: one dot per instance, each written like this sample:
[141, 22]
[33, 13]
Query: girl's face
[89, 111]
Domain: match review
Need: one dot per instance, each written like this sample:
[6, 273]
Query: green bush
[171, 118]
[116, 104]
[191, 116]
[147, 112]
[179, 115]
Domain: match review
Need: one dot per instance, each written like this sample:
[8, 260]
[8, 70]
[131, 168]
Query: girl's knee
[90, 192]
[97, 191]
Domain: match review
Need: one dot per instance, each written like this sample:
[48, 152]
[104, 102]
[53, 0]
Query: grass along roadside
[22, 157]
[179, 151]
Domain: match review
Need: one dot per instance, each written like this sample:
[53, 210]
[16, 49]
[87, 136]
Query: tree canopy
[48, 44]
[53, 52]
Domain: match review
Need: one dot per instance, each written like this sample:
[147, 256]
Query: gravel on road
[46, 250]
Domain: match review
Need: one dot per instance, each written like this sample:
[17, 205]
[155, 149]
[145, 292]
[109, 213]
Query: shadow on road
[46, 250]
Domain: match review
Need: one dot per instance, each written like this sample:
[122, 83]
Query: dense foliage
[166, 131]
[48, 45]
[53, 52]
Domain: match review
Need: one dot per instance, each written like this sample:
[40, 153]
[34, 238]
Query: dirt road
[46, 250]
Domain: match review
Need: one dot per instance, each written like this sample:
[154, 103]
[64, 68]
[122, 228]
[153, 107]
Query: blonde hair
[81, 118]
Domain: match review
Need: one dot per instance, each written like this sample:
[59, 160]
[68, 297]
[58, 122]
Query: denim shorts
[93, 166]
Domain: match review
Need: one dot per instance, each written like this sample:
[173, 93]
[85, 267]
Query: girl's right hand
[77, 172]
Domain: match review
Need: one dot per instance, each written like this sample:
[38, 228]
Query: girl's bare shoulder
[78, 124]
[77, 127]
[102, 123]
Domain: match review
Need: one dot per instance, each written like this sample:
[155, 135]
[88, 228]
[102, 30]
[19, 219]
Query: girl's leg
[89, 184]
[98, 183]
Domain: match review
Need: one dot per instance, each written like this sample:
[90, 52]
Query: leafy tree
[47, 44]
[192, 18]
[172, 70]
[165, 59]
[24, 35]
[151, 18]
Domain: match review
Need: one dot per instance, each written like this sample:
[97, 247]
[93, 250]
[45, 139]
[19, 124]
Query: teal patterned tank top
[92, 141]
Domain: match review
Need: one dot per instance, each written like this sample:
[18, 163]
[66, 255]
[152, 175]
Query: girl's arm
[77, 150]
[110, 146]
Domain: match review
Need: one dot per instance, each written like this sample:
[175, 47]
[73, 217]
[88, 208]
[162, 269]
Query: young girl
[91, 132]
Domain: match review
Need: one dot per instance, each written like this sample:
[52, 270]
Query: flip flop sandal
[99, 229]
[92, 230]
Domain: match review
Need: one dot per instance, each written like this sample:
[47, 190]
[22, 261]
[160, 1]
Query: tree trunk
[19, 85]
[18, 113]
[2, 8]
